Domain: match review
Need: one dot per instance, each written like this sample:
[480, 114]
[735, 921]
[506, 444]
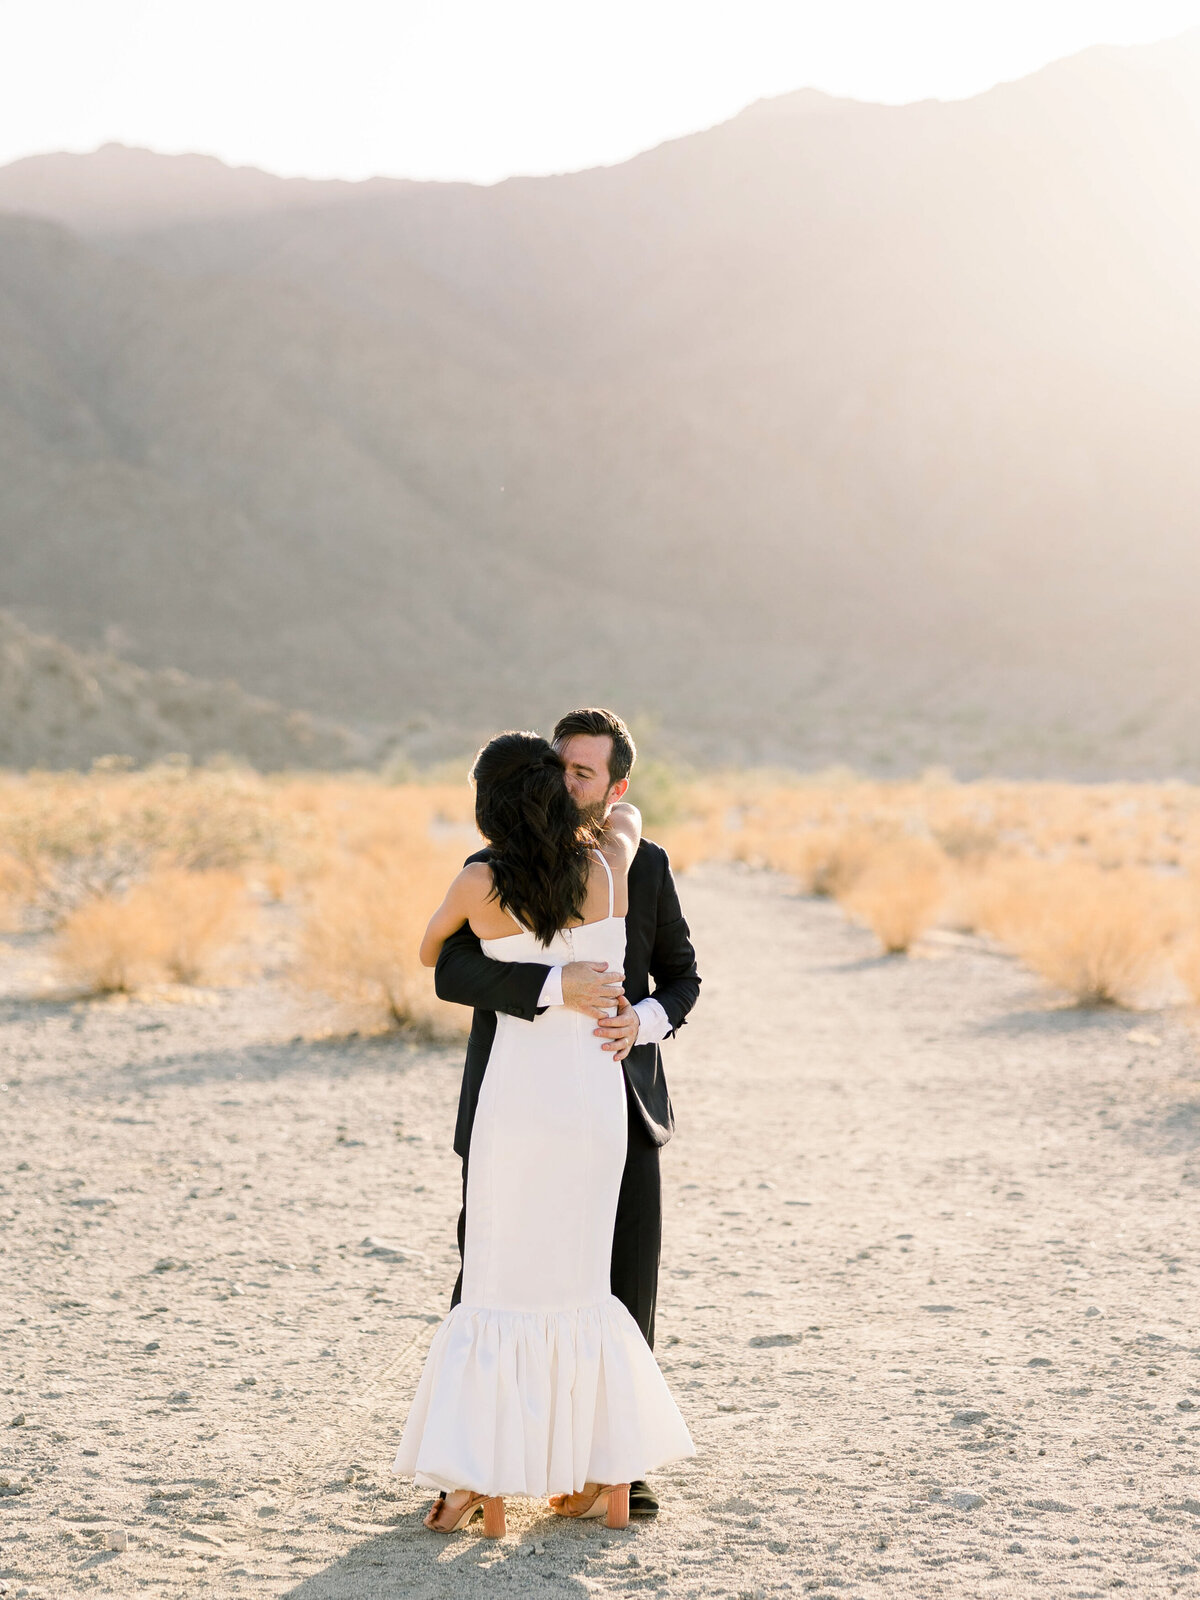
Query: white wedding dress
[541, 1381]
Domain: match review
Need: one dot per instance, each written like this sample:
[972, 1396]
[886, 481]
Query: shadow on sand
[1104, 1022]
[233, 1065]
[268, 1063]
[550, 1557]
[864, 963]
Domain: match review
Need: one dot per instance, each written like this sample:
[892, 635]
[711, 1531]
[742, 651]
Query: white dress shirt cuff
[653, 1022]
[551, 994]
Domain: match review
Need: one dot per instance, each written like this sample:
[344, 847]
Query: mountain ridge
[782, 433]
[63, 708]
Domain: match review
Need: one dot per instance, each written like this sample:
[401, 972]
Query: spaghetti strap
[611, 891]
[510, 914]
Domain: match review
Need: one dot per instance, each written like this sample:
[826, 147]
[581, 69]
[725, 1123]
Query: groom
[599, 754]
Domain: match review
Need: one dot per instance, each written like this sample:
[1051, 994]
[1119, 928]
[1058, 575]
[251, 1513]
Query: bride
[540, 1382]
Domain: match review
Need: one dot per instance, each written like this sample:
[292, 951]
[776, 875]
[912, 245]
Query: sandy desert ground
[928, 1299]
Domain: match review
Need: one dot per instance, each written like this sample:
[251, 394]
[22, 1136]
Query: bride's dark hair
[539, 837]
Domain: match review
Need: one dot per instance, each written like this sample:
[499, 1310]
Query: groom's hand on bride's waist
[589, 986]
[620, 1032]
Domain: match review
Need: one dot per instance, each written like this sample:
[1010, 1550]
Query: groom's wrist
[653, 1023]
[551, 994]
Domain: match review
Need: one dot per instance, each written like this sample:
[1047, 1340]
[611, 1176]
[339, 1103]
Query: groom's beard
[594, 817]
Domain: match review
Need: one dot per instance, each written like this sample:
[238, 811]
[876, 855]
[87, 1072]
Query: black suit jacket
[658, 946]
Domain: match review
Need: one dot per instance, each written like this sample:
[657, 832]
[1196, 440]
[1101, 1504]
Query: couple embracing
[542, 1381]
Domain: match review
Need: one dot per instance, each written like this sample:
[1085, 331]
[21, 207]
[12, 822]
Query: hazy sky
[483, 88]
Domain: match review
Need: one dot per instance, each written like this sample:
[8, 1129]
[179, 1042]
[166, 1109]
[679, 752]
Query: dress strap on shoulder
[608, 872]
[512, 916]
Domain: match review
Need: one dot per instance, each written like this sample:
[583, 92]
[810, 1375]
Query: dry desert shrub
[202, 915]
[274, 881]
[658, 790]
[830, 861]
[897, 891]
[1187, 964]
[993, 897]
[1104, 937]
[13, 895]
[689, 843]
[1187, 955]
[106, 947]
[965, 841]
[363, 925]
[365, 860]
[357, 815]
[700, 826]
[789, 853]
[378, 859]
[69, 839]
[175, 925]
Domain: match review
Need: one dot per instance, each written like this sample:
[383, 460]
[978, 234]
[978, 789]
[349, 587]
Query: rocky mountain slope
[837, 431]
[60, 708]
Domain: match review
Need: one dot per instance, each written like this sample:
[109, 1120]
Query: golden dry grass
[388, 861]
[831, 861]
[995, 897]
[897, 890]
[362, 927]
[1187, 952]
[1104, 937]
[143, 876]
[690, 843]
[175, 926]
[1080, 881]
[105, 949]
[1083, 882]
[66, 839]
[12, 896]
[1187, 965]
[201, 915]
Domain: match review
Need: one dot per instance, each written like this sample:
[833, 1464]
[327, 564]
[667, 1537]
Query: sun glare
[463, 89]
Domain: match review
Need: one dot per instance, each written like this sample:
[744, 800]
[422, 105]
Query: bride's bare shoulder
[470, 889]
[464, 901]
[475, 882]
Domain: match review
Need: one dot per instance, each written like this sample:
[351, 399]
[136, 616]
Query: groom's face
[586, 758]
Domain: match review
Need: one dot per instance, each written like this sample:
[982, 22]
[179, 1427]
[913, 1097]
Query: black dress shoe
[642, 1502]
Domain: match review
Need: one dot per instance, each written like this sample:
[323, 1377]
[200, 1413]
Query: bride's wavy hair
[539, 838]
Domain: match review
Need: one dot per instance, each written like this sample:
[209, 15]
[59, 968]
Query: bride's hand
[620, 1032]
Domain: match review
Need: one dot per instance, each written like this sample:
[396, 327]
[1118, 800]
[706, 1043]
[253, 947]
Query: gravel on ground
[928, 1295]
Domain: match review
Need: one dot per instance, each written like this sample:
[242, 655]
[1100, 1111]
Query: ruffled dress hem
[533, 1403]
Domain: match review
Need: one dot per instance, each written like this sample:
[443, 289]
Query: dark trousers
[637, 1233]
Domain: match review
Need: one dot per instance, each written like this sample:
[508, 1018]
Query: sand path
[928, 1297]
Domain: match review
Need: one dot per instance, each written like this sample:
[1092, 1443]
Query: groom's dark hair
[595, 720]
